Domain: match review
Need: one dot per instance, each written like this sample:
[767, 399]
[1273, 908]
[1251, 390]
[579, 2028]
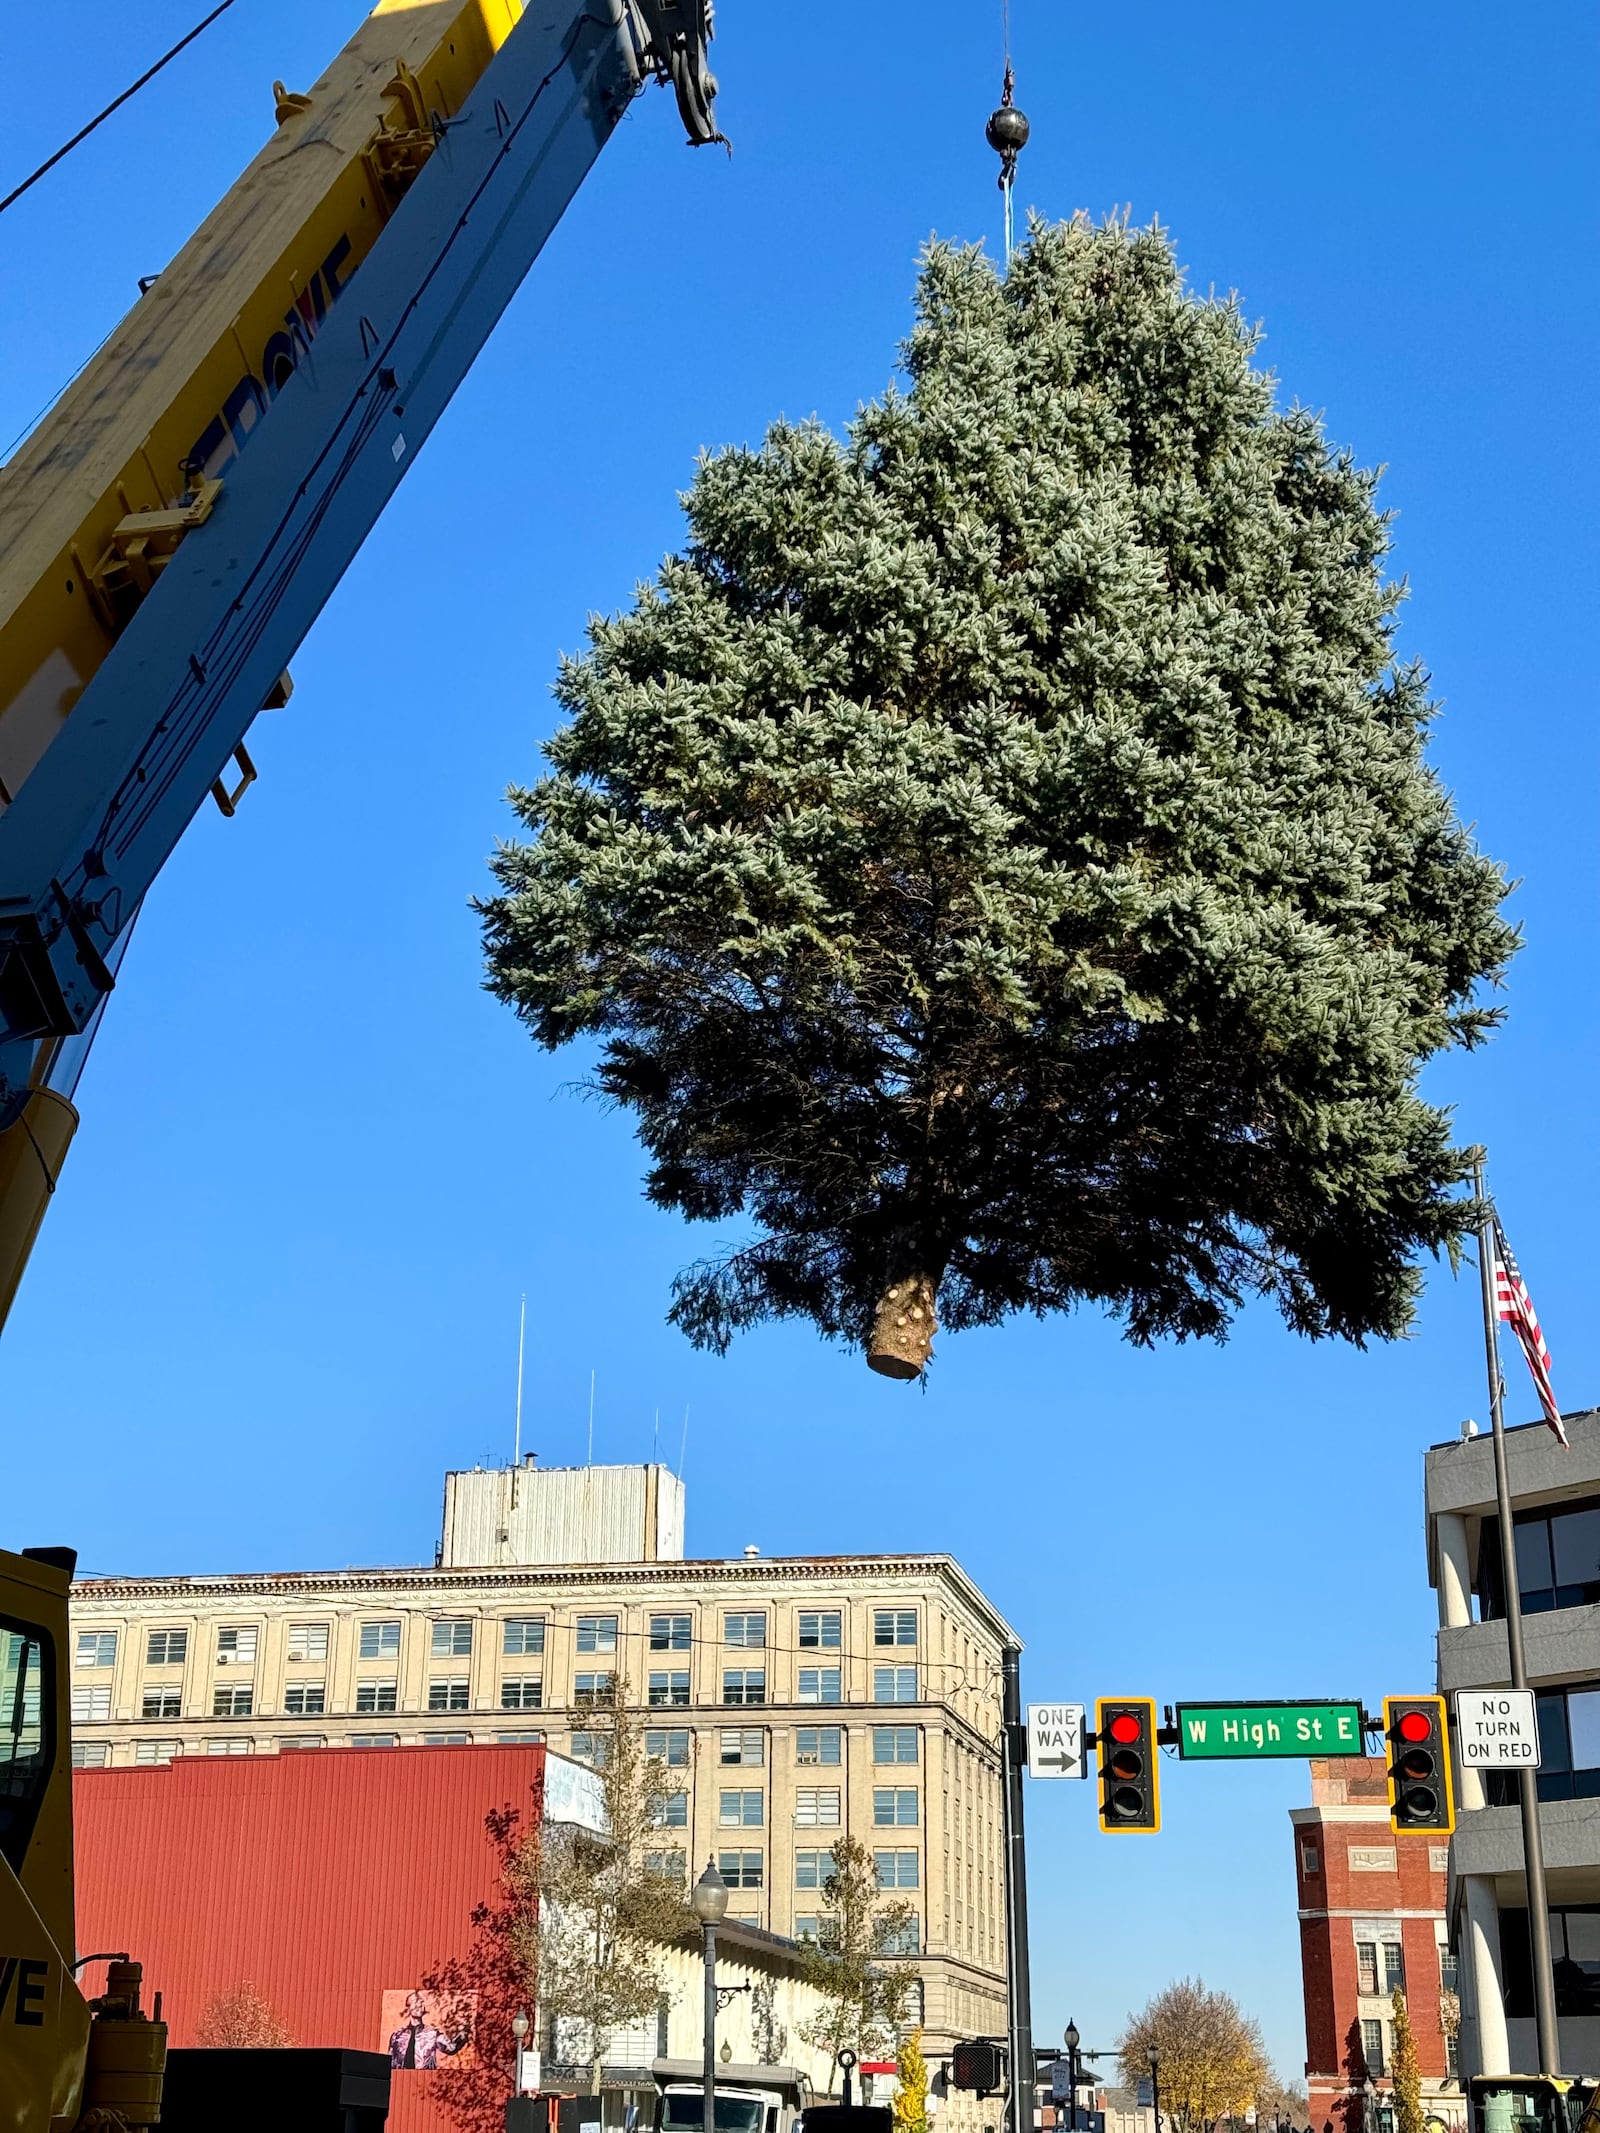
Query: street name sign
[1055, 1740]
[1498, 1729]
[1252, 1732]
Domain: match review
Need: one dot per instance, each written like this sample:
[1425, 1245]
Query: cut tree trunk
[903, 1329]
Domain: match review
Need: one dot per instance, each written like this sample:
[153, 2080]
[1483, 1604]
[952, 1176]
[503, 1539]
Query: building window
[670, 1810]
[380, 1640]
[894, 1744]
[449, 1695]
[156, 1751]
[819, 1632]
[894, 1807]
[894, 1684]
[521, 1634]
[670, 1633]
[1569, 1742]
[1308, 1859]
[818, 1744]
[308, 1640]
[597, 1633]
[816, 1807]
[1575, 1957]
[666, 1866]
[446, 1740]
[166, 1647]
[819, 1684]
[817, 1926]
[901, 1937]
[744, 1684]
[1394, 1967]
[89, 1703]
[741, 1810]
[894, 1625]
[747, 1744]
[522, 1692]
[304, 1699]
[519, 1740]
[229, 1747]
[592, 1748]
[898, 1870]
[293, 1741]
[741, 1870]
[451, 1640]
[670, 1688]
[1372, 2046]
[232, 1703]
[744, 1632]
[91, 1754]
[1366, 1966]
[97, 1647]
[671, 1744]
[591, 1690]
[1558, 1559]
[374, 1740]
[237, 1647]
[375, 1696]
[161, 1703]
[1452, 2055]
[813, 1870]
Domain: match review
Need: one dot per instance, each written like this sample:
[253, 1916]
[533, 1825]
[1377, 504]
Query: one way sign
[1055, 1740]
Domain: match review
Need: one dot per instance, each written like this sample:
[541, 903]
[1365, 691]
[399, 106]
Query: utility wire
[116, 104]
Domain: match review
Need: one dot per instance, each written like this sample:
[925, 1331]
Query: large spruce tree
[998, 855]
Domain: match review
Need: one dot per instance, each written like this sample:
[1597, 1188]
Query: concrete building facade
[1556, 1519]
[1372, 1918]
[800, 1698]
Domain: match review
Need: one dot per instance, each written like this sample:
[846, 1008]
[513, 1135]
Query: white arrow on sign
[1055, 1740]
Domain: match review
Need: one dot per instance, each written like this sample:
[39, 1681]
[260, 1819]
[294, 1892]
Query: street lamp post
[709, 1902]
[1070, 2039]
[1155, 2085]
[519, 2029]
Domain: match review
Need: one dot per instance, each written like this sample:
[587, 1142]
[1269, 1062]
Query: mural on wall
[425, 2029]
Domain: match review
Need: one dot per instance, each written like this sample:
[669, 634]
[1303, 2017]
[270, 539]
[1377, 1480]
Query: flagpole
[1544, 1987]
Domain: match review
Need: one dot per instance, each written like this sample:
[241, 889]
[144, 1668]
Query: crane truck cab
[750, 2099]
[1534, 2103]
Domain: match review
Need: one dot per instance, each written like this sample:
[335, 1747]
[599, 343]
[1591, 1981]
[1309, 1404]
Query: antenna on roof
[684, 1446]
[591, 1418]
[522, 1335]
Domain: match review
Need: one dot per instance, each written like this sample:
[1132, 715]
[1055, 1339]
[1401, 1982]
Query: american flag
[1515, 1306]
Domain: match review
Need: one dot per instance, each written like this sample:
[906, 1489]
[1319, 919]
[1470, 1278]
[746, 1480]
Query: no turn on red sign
[1498, 1729]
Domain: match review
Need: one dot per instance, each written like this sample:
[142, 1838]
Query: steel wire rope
[116, 104]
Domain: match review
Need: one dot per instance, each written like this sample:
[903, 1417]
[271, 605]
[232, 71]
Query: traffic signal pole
[1019, 2016]
[1544, 1985]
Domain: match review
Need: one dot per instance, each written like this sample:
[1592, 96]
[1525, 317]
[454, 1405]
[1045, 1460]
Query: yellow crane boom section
[96, 499]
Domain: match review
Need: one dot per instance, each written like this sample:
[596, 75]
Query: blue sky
[278, 1293]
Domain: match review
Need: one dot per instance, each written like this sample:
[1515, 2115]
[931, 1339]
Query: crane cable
[133, 89]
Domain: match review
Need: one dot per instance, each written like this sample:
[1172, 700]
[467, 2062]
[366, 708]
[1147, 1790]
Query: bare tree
[241, 2020]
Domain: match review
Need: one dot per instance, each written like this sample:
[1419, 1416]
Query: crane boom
[159, 566]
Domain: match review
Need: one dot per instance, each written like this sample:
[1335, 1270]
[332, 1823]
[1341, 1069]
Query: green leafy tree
[1403, 2074]
[863, 1983]
[997, 856]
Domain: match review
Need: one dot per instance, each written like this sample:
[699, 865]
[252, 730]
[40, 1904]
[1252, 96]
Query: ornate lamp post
[709, 1902]
[1155, 2085]
[519, 2029]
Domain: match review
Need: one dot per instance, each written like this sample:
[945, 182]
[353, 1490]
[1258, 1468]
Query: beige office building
[802, 1698]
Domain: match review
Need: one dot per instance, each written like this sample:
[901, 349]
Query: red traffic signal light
[1130, 1784]
[1420, 1792]
[978, 2064]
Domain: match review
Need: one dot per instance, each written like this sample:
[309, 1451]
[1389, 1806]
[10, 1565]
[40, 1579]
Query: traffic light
[1130, 1784]
[1419, 1764]
[979, 2064]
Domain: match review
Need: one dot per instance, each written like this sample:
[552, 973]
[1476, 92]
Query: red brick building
[1372, 1917]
